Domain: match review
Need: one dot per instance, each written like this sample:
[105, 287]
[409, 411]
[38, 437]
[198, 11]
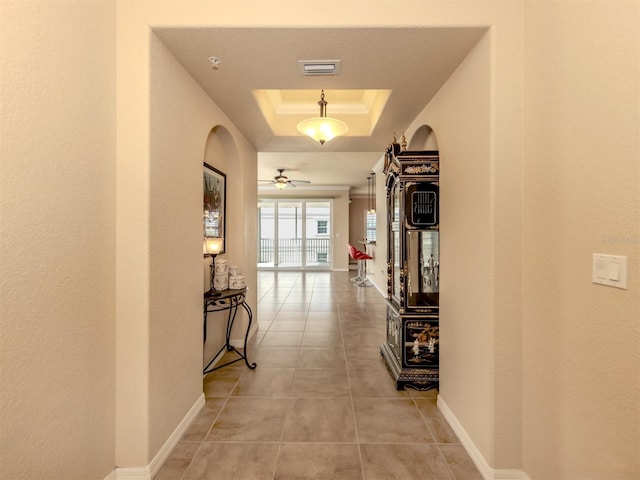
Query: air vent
[319, 67]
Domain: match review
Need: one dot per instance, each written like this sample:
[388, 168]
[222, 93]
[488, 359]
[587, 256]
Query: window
[370, 227]
[294, 233]
[322, 227]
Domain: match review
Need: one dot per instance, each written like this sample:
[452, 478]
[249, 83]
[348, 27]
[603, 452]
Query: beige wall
[581, 196]
[57, 208]
[182, 117]
[477, 118]
[460, 116]
[165, 315]
[549, 307]
[357, 207]
[539, 366]
[377, 268]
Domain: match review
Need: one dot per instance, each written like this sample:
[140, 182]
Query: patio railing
[290, 250]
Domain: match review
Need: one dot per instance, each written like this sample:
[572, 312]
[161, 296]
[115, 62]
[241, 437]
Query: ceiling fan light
[280, 185]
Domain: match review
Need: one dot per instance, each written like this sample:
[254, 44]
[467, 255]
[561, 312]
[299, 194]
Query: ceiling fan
[280, 181]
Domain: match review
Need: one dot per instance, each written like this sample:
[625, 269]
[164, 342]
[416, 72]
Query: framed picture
[215, 200]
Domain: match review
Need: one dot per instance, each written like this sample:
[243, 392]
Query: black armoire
[411, 348]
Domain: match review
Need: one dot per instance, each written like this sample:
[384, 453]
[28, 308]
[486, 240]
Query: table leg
[233, 310]
[246, 336]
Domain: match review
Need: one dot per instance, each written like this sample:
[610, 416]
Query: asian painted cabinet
[411, 349]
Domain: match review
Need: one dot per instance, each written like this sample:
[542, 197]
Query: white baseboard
[134, 473]
[487, 472]
[147, 472]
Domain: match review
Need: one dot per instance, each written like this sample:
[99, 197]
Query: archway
[424, 138]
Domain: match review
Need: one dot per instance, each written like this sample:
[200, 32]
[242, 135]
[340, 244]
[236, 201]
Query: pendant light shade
[371, 190]
[322, 128]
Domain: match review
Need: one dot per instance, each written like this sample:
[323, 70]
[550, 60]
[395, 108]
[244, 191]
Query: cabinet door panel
[394, 333]
[421, 342]
[423, 268]
[422, 207]
[394, 243]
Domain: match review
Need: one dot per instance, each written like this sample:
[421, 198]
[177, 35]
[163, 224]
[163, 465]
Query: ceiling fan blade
[281, 181]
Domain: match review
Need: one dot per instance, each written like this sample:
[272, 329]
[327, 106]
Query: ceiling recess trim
[319, 67]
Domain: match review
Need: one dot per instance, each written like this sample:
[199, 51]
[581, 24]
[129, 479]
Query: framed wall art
[215, 199]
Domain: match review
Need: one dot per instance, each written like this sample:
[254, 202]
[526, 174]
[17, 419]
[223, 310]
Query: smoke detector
[215, 62]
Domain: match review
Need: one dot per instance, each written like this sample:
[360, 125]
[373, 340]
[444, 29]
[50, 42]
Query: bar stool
[361, 280]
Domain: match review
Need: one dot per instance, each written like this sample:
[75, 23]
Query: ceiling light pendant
[322, 128]
[371, 190]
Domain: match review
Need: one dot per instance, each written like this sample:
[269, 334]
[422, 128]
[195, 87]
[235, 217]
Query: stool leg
[363, 281]
[358, 277]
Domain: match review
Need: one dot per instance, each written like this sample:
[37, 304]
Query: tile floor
[321, 404]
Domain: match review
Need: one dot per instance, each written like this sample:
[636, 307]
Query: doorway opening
[295, 234]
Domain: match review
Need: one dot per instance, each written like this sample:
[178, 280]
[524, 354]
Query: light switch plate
[610, 270]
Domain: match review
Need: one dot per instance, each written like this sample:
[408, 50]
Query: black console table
[228, 300]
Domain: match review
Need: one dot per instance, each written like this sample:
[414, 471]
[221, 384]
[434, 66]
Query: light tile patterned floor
[321, 404]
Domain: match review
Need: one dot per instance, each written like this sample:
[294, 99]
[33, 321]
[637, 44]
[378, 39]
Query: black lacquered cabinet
[411, 349]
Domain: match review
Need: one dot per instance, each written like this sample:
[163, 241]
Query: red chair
[361, 280]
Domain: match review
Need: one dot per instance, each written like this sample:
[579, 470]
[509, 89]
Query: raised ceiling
[284, 109]
[386, 78]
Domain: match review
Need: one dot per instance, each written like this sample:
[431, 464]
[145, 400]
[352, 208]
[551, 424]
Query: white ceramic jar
[222, 267]
[221, 282]
[236, 282]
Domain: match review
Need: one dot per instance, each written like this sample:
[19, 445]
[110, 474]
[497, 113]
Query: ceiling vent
[319, 67]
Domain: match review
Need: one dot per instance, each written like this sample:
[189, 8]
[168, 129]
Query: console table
[228, 300]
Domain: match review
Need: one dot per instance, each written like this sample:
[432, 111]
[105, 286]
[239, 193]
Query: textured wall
[182, 120]
[377, 268]
[57, 255]
[576, 389]
[582, 196]
[460, 117]
[357, 208]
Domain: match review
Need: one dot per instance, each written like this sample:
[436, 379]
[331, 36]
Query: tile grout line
[332, 291]
[353, 409]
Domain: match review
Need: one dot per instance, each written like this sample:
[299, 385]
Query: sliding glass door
[266, 233]
[317, 245]
[294, 234]
[290, 235]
